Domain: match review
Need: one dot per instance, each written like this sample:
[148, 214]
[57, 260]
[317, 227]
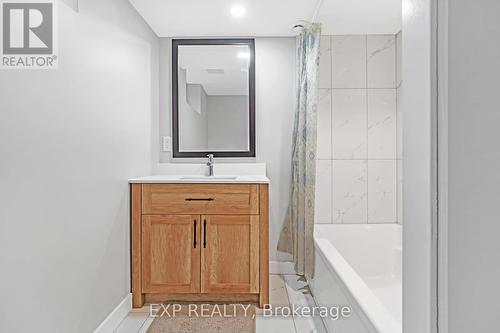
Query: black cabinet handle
[199, 199]
[204, 233]
[194, 234]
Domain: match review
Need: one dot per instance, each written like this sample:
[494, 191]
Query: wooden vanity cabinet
[199, 242]
[230, 259]
[170, 253]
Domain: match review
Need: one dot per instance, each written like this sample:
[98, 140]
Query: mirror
[213, 97]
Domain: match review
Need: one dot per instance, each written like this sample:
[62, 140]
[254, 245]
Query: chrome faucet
[210, 164]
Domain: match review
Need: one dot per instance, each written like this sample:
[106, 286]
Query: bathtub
[359, 265]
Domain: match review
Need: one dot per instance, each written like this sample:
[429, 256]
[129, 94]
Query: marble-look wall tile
[399, 114]
[349, 61]
[359, 151]
[349, 123]
[325, 62]
[381, 61]
[399, 58]
[382, 123]
[323, 192]
[400, 191]
[382, 191]
[324, 141]
[349, 191]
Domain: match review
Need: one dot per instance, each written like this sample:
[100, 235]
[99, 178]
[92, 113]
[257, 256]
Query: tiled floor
[284, 290]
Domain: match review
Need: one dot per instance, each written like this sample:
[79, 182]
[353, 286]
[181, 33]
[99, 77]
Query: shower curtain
[297, 234]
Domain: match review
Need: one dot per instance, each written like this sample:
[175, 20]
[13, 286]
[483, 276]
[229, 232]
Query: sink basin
[208, 177]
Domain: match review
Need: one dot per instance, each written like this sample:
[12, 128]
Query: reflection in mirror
[213, 106]
[213, 97]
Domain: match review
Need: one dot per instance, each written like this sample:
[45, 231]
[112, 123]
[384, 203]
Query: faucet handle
[210, 164]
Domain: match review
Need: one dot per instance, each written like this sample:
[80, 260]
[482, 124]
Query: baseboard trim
[116, 316]
[281, 267]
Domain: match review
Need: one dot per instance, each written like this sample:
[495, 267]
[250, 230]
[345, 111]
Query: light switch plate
[166, 143]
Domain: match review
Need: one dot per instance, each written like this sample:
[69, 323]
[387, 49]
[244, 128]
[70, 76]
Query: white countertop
[198, 179]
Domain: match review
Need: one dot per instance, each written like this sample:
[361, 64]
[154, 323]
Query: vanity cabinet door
[230, 254]
[171, 253]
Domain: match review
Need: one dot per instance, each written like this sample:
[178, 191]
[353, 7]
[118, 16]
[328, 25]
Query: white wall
[358, 131]
[474, 164]
[228, 125]
[192, 118]
[416, 106]
[275, 104]
[165, 112]
[69, 139]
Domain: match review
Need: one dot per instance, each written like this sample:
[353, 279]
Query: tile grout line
[367, 126]
[289, 301]
[332, 210]
[360, 159]
[371, 88]
[332, 148]
[143, 323]
[316, 305]
[305, 300]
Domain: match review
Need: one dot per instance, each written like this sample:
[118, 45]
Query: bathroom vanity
[205, 238]
[199, 239]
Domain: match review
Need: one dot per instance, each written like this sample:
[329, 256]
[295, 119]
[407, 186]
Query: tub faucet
[210, 164]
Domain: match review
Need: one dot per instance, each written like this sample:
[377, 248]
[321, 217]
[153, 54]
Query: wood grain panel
[135, 246]
[264, 245]
[166, 265]
[200, 199]
[170, 260]
[230, 260]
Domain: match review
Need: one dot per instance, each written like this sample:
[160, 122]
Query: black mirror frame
[251, 101]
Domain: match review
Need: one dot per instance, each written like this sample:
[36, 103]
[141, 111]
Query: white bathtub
[359, 265]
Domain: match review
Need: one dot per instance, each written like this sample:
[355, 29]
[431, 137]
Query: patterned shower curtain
[297, 234]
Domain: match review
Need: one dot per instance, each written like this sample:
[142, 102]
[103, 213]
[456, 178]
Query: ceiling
[220, 69]
[212, 18]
